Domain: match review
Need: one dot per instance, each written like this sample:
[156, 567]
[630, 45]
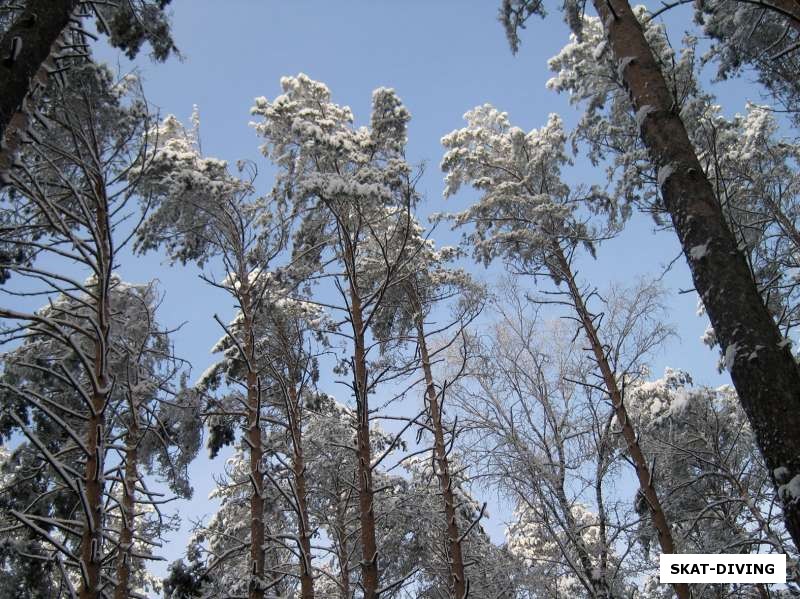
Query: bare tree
[543, 435]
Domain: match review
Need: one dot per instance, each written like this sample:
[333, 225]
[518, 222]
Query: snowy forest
[418, 381]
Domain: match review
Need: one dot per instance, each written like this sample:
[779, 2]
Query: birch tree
[545, 439]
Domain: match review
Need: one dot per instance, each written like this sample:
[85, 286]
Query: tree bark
[369, 549]
[24, 50]
[342, 550]
[253, 439]
[92, 537]
[128, 507]
[91, 547]
[301, 496]
[458, 581]
[643, 474]
[761, 365]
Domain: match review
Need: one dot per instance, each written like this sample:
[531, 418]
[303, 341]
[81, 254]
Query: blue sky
[443, 58]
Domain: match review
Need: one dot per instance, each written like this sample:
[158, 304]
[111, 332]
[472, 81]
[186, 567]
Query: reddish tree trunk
[128, 508]
[92, 538]
[91, 547]
[342, 549]
[458, 581]
[369, 549]
[253, 437]
[643, 473]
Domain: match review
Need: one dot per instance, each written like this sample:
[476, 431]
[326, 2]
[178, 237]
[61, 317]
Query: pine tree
[352, 188]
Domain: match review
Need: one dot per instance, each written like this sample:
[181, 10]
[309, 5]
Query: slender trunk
[761, 365]
[643, 473]
[299, 473]
[458, 581]
[253, 440]
[257, 536]
[25, 51]
[787, 225]
[128, 507]
[342, 550]
[369, 549]
[596, 585]
[91, 547]
[600, 499]
[92, 537]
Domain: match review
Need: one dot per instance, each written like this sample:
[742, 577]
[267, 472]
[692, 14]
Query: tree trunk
[92, 538]
[257, 536]
[24, 50]
[643, 473]
[761, 365]
[299, 473]
[602, 518]
[128, 507]
[253, 440]
[342, 550]
[91, 547]
[369, 549]
[458, 581]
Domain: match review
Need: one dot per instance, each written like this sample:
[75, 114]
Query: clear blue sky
[443, 57]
